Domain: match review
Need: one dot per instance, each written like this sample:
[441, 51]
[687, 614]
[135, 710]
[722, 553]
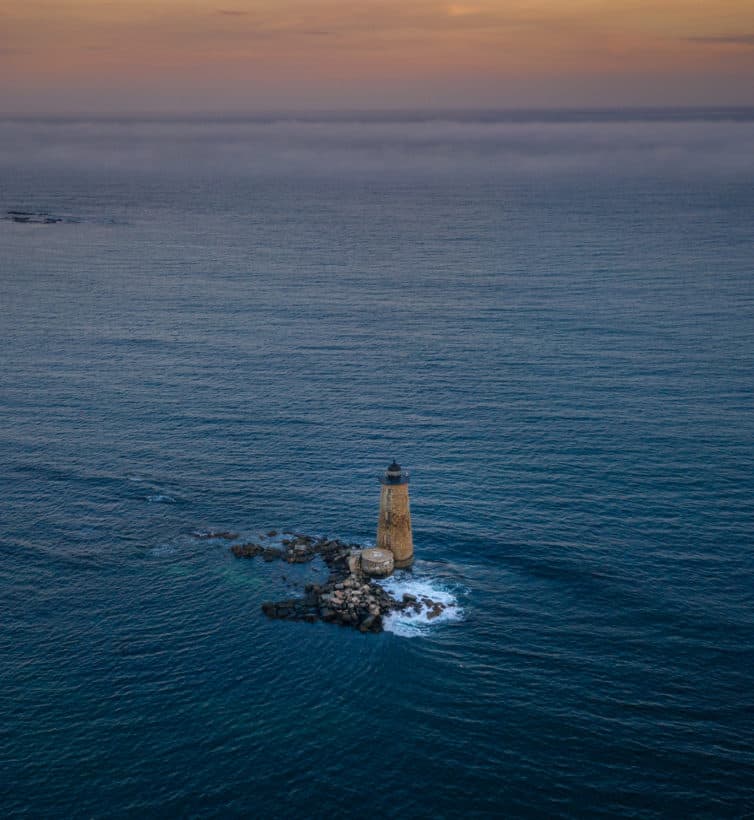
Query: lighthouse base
[376, 562]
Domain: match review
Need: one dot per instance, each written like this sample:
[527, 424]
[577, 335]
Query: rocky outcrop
[348, 603]
[295, 549]
[46, 218]
[348, 597]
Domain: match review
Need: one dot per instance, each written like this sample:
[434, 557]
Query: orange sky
[236, 55]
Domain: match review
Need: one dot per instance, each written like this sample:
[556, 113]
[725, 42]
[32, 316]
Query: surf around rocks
[349, 597]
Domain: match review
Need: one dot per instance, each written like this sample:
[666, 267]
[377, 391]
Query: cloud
[461, 10]
[459, 145]
[724, 39]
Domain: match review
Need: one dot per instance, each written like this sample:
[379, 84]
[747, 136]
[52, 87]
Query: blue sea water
[548, 319]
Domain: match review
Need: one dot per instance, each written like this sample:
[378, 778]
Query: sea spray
[411, 623]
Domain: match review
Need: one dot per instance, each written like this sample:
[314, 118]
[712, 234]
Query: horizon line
[404, 113]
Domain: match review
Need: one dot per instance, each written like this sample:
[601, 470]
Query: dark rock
[311, 599]
[249, 550]
[284, 609]
[366, 624]
[246, 550]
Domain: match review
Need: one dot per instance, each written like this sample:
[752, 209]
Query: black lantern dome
[395, 475]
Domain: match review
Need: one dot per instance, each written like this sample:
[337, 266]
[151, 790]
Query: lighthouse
[394, 523]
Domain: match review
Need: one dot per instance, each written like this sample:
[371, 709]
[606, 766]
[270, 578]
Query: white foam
[413, 624]
[162, 550]
[161, 498]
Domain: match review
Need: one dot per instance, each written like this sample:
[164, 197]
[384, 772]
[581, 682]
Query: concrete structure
[394, 524]
[377, 563]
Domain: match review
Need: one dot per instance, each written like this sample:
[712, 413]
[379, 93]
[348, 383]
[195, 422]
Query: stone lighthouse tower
[394, 524]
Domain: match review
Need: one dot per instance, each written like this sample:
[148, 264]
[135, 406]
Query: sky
[237, 56]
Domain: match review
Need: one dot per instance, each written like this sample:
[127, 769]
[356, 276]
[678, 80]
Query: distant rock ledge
[35, 217]
[349, 597]
[46, 218]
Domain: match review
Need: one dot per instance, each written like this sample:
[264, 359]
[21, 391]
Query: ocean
[237, 323]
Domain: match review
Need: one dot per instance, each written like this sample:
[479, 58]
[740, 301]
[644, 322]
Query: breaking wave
[163, 550]
[161, 498]
[412, 623]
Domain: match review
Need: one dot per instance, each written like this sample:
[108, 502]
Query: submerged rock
[226, 535]
[249, 550]
[36, 217]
